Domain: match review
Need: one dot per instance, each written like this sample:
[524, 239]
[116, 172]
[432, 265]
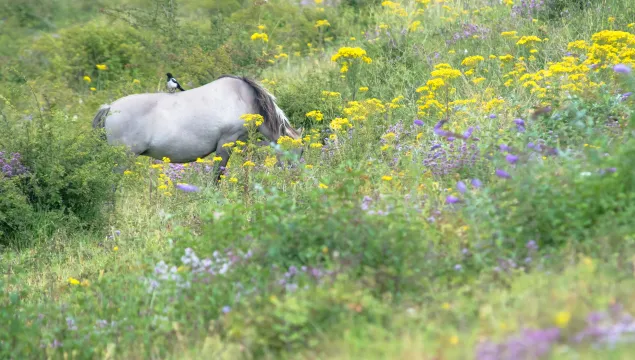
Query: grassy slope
[484, 306]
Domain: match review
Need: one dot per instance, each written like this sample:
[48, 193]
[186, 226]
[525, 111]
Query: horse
[193, 124]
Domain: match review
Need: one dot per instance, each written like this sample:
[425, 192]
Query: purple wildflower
[504, 147]
[468, 132]
[626, 96]
[492, 116]
[622, 69]
[226, 309]
[461, 186]
[609, 327]
[366, 203]
[452, 199]
[520, 124]
[418, 122]
[528, 344]
[438, 130]
[11, 167]
[502, 174]
[458, 267]
[477, 183]
[511, 158]
[187, 187]
[443, 161]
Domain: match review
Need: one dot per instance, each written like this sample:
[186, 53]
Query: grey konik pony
[194, 123]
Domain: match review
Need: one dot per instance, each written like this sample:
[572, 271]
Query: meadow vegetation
[466, 188]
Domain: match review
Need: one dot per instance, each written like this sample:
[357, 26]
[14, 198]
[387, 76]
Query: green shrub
[70, 171]
[16, 213]
[75, 52]
[559, 204]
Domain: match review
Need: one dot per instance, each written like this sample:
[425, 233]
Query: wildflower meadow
[465, 187]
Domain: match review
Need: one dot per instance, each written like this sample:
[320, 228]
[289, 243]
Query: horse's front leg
[224, 155]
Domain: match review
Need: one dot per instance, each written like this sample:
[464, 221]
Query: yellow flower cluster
[394, 103]
[340, 124]
[395, 8]
[445, 71]
[572, 73]
[270, 161]
[611, 47]
[360, 110]
[332, 94]
[322, 23]
[255, 119]
[288, 143]
[472, 61]
[315, 114]
[414, 26]
[260, 36]
[351, 53]
[528, 40]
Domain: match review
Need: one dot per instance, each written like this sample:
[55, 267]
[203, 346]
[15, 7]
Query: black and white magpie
[173, 84]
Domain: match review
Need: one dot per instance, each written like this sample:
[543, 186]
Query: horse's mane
[274, 118]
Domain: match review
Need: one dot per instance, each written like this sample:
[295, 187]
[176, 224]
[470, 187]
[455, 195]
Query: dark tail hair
[274, 118]
[98, 121]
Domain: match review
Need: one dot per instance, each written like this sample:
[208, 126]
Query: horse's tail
[274, 118]
[98, 121]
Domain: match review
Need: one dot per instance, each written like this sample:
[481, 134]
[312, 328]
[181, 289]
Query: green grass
[355, 252]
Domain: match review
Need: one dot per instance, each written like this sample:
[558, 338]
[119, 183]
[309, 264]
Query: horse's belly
[181, 149]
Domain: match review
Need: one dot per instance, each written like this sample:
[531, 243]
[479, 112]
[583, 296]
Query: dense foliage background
[466, 189]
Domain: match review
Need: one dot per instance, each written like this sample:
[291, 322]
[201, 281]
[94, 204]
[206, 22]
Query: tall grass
[464, 191]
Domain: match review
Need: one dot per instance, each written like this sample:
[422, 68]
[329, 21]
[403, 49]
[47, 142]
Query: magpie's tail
[180, 88]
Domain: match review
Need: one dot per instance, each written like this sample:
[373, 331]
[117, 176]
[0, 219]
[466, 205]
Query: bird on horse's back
[192, 124]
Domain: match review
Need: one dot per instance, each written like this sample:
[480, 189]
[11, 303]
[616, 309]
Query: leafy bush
[555, 205]
[65, 171]
[77, 50]
[16, 213]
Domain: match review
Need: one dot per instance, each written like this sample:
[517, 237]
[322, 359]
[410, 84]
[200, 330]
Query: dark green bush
[16, 213]
[70, 173]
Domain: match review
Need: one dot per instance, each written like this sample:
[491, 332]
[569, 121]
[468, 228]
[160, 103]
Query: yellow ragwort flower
[260, 36]
[315, 114]
[528, 40]
[562, 319]
[322, 23]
